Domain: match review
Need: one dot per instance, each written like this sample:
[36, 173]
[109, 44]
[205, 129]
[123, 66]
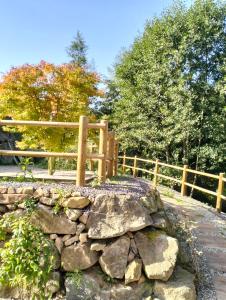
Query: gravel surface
[119, 185]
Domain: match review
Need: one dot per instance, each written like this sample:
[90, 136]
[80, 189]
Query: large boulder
[113, 261]
[180, 286]
[112, 216]
[93, 286]
[78, 257]
[51, 223]
[158, 252]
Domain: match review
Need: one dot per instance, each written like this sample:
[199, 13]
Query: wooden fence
[183, 181]
[107, 158]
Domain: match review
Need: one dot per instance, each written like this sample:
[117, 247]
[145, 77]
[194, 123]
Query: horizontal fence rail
[155, 171]
[107, 158]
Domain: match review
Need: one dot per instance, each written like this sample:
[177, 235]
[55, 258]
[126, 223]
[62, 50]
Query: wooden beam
[82, 141]
[115, 169]
[110, 154]
[135, 166]
[103, 151]
[220, 192]
[156, 171]
[49, 124]
[183, 181]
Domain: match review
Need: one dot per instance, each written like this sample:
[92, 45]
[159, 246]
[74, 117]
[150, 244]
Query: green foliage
[58, 203]
[170, 84]
[77, 50]
[25, 167]
[108, 279]
[76, 277]
[26, 259]
[95, 182]
[30, 205]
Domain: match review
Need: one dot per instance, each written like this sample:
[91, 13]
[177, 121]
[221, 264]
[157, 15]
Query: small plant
[25, 166]
[56, 208]
[30, 204]
[58, 203]
[26, 259]
[108, 279]
[168, 193]
[5, 179]
[95, 182]
[76, 277]
[179, 200]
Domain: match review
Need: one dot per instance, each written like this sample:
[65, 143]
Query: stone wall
[118, 241]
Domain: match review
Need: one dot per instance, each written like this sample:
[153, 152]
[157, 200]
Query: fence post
[123, 164]
[134, 166]
[155, 180]
[220, 192]
[183, 181]
[91, 162]
[81, 161]
[110, 156]
[115, 169]
[103, 151]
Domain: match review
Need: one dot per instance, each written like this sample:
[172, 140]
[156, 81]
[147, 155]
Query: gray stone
[180, 286]
[76, 202]
[59, 244]
[12, 198]
[71, 241]
[66, 237]
[53, 284]
[84, 217]
[159, 220]
[53, 236]
[51, 223]
[47, 201]
[94, 287]
[133, 271]
[158, 252]
[112, 216]
[73, 214]
[113, 261]
[83, 238]
[78, 257]
[80, 228]
[98, 246]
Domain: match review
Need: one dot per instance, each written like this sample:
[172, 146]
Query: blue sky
[32, 30]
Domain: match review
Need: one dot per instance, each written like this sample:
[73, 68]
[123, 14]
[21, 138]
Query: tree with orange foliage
[46, 92]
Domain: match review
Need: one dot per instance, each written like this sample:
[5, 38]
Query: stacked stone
[120, 235]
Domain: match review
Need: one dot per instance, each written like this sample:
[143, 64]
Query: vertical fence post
[183, 181]
[220, 192]
[81, 161]
[111, 137]
[103, 151]
[115, 169]
[135, 166]
[155, 180]
[123, 164]
[91, 162]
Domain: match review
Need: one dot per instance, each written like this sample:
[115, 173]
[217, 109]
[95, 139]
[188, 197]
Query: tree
[46, 92]
[170, 82]
[77, 50]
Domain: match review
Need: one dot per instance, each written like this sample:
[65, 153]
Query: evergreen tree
[77, 50]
